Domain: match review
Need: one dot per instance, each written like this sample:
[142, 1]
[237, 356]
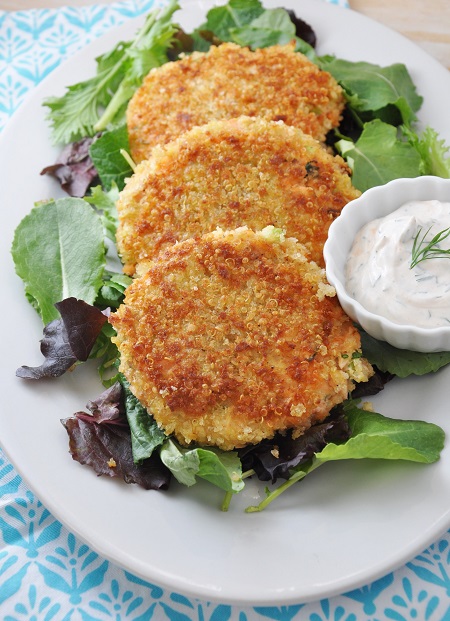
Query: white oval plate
[344, 526]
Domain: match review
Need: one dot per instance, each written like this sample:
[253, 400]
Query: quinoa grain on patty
[274, 83]
[234, 335]
[227, 174]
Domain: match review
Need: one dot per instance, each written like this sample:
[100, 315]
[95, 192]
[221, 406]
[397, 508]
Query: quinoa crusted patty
[229, 337]
[275, 83]
[230, 173]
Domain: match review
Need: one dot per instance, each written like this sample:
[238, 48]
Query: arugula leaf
[78, 113]
[373, 436]
[401, 362]
[223, 469]
[370, 87]
[106, 154]
[379, 156]
[59, 252]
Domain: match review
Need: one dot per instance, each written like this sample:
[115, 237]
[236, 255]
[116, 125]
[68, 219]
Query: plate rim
[208, 592]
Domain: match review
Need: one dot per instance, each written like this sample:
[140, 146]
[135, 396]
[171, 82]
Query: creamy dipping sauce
[378, 272]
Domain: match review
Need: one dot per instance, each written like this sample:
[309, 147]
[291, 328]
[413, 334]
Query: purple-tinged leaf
[83, 323]
[107, 449]
[273, 459]
[74, 168]
[108, 407]
[67, 340]
[373, 386]
[303, 29]
[56, 350]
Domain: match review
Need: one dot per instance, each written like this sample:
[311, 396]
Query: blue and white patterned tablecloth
[46, 573]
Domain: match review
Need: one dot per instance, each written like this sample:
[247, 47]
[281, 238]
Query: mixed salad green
[64, 252]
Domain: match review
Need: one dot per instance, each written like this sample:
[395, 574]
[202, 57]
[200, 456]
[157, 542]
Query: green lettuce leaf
[377, 437]
[146, 436]
[248, 24]
[111, 293]
[273, 27]
[235, 14]
[370, 87]
[401, 362]
[107, 156]
[107, 356]
[379, 156]
[105, 203]
[222, 469]
[373, 436]
[59, 252]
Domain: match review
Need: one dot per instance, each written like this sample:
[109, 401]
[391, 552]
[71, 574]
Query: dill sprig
[423, 250]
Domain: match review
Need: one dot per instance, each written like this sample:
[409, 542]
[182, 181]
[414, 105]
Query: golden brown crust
[244, 171]
[275, 83]
[232, 336]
